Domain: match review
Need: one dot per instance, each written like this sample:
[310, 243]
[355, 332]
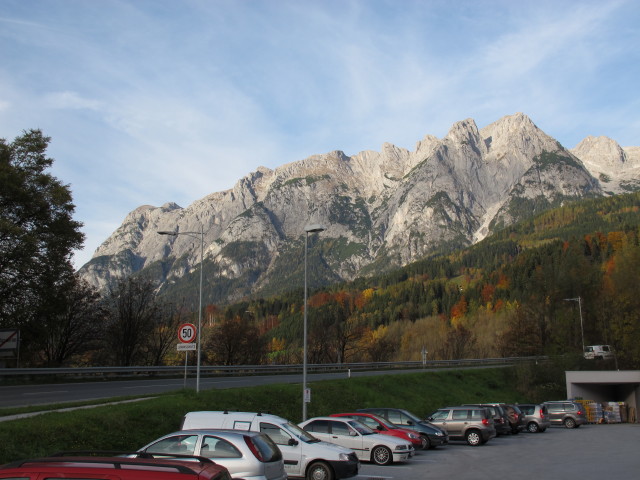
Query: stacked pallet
[614, 412]
[593, 410]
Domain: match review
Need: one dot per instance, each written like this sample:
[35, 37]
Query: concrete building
[606, 386]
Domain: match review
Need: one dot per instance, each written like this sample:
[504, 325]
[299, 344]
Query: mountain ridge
[381, 209]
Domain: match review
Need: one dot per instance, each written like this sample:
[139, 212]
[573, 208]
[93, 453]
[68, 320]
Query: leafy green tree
[624, 314]
[37, 238]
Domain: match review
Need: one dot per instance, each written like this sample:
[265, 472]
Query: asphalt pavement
[591, 452]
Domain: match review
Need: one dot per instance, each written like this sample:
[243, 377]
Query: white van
[304, 455]
[598, 352]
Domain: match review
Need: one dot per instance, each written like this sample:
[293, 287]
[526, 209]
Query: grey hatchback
[471, 423]
[536, 417]
[247, 455]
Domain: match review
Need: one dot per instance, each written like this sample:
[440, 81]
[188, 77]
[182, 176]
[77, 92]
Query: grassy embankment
[131, 425]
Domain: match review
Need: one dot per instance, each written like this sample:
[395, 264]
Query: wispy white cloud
[154, 101]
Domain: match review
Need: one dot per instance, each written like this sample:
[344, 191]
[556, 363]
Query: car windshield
[361, 428]
[412, 417]
[385, 422]
[300, 433]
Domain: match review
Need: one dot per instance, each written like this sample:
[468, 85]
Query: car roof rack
[117, 462]
[127, 454]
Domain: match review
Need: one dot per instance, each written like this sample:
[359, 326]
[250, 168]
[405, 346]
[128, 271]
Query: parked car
[471, 423]
[247, 455]
[598, 352]
[380, 425]
[536, 417]
[567, 413]
[304, 455]
[368, 445]
[516, 418]
[499, 415]
[79, 467]
[432, 435]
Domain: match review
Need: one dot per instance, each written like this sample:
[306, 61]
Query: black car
[432, 436]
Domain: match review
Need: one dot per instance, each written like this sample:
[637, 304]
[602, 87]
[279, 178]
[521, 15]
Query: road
[591, 452]
[26, 395]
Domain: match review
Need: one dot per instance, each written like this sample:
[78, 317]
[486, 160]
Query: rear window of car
[527, 409]
[267, 447]
[214, 447]
[396, 417]
[477, 414]
[318, 426]
[460, 414]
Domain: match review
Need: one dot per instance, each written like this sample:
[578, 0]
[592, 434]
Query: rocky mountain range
[381, 210]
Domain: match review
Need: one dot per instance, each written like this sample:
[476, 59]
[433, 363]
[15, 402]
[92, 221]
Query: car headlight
[439, 434]
[414, 436]
[402, 447]
[343, 457]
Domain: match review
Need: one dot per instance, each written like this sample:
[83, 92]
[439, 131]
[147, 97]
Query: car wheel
[381, 455]
[425, 442]
[533, 427]
[569, 423]
[474, 438]
[319, 471]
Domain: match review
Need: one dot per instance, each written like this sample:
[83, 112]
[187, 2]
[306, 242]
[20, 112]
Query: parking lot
[591, 452]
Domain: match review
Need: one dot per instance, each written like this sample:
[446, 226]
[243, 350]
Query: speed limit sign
[187, 332]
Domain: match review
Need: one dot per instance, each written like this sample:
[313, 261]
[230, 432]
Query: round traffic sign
[187, 332]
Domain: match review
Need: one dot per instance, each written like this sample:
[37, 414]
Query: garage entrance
[607, 386]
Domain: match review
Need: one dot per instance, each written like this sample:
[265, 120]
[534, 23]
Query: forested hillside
[515, 293]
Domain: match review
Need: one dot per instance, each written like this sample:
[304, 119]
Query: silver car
[473, 424]
[536, 417]
[567, 413]
[247, 455]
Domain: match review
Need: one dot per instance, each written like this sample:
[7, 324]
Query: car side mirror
[352, 433]
[409, 422]
[292, 442]
[379, 428]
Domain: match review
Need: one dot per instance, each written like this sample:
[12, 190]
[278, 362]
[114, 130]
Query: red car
[115, 468]
[385, 427]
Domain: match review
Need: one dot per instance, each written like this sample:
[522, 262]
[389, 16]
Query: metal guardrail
[222, 370]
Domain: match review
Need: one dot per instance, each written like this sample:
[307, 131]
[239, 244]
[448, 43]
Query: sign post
[187, 336]
[10, 344]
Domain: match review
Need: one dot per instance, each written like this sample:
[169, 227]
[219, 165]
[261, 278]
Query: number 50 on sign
[187, 333]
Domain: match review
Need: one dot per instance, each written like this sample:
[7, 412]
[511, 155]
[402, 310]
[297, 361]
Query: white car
[304, 455]
[368, 445]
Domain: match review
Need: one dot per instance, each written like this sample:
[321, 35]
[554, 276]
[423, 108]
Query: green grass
[129, 426]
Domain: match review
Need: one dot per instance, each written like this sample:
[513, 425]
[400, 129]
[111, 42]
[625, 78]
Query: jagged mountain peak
[601, 152]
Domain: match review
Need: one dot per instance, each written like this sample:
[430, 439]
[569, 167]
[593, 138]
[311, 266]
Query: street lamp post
[579, 300]
[193, 234]
[308, 229]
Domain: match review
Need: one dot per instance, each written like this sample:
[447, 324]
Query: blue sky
[152, 101]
